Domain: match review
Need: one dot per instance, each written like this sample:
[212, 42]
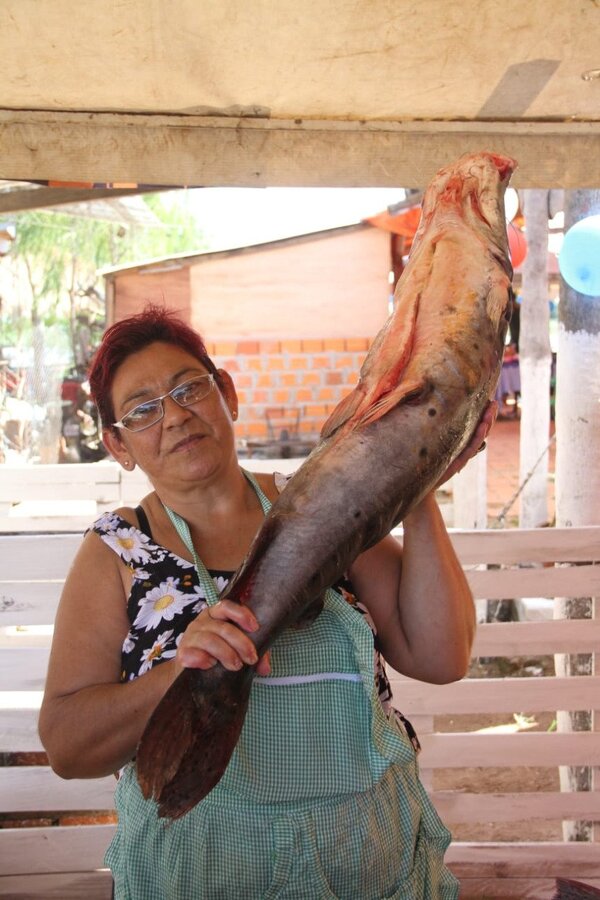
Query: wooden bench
[68, 497]
[65, 861]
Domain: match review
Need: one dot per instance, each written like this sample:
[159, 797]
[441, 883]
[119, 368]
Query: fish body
[422, 390]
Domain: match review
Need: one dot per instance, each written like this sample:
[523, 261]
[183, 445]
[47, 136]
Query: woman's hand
[475, 445]
[217, 635]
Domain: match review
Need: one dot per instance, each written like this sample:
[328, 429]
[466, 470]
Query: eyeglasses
[152, 411]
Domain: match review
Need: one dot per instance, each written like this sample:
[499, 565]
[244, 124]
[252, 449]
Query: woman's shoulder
[137, 549]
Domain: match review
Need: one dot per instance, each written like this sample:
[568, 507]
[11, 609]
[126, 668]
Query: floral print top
[166, 595]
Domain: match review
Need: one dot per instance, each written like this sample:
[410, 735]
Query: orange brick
[315, 411]
[281, 396]
[264, 381]
[224, 348]
[248, 347]
[352, 377]
[320, 362]
[298, 362]
[242, 396]
[275, 362]
[312, 346]
[266, 347]
[288, 379]
[337, 344]
[260, 397]
[291, 346]
[254, 364]
[231, 365]
[311, 378]
[325, 394]
[355, 344]
[333, 378]
[243, 381]
[344, 362]
[256, 429]
[303, 395]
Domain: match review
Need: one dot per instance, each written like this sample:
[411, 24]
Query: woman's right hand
[217, 635]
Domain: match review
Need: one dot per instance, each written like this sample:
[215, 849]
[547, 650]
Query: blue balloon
[579, 258]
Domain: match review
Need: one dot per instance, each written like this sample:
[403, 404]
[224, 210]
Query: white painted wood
[39, 851]
[504, 888]
[565, 581]
[457, 807]
[23, 670]
[456, 751]
[469, 494]
[503, 695]
[537, 638]
[528, 545]
[26, 603]
[35, 788]
[19, 731]
[95, 885]
[35, 557]
[525, 859]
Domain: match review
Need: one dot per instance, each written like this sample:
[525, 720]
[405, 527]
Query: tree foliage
[62, 254]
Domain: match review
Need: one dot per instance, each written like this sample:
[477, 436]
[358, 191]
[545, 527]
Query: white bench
[66, 861]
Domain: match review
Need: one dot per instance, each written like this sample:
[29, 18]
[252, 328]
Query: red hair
[154, 323]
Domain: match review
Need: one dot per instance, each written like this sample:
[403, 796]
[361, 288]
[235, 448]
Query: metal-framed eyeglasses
[150, 412]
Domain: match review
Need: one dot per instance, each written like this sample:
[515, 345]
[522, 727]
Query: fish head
[472, 189]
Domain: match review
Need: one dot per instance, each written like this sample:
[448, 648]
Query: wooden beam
[209, 151]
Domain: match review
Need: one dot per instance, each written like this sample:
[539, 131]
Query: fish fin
[188, 741]
[379, 388]
[344, 411]
[406, 392]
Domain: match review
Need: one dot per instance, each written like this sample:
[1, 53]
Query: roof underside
[253, 92]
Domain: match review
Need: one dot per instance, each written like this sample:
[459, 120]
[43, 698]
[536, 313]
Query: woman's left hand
[475, 445]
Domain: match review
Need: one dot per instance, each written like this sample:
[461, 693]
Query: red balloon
[517, 245]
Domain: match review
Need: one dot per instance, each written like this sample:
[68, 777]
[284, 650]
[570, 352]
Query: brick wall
[310, 376]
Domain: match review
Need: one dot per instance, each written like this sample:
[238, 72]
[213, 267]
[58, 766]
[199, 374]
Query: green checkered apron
[321, 798]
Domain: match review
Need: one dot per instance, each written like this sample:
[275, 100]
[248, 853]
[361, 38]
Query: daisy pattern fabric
[165, 595]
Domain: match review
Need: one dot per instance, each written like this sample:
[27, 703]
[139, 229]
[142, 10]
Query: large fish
[422, 390]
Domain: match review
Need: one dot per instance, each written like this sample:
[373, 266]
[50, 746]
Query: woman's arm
[90, 723]
[419, 599]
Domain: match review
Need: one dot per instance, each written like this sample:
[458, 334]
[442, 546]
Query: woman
[135, 611]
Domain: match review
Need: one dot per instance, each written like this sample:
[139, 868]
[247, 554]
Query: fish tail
[188, 741]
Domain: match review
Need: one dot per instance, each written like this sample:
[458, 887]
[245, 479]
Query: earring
[234, 415]
[126, 463]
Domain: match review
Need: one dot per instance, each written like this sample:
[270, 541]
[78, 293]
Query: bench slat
[537, 638]
[527, 545]
[526, 859]
[37, 557]
[502, 695]
[456, 807]
[505, 888]
[464, 750]
[35, 788]
[41, 851]
[566, 581]
[29, 604]
[65, 886]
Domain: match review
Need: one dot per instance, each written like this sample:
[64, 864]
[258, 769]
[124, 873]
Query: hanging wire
[499, 521]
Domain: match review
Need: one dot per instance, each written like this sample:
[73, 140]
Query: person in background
[337, 809]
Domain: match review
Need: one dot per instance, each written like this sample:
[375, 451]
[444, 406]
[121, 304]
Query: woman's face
[188, 443]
